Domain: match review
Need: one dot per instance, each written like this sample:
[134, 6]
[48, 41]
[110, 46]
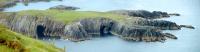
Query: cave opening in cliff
[40, 31]
[105, 30]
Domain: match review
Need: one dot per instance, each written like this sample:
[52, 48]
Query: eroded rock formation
[144, 13]
[28, 25]
[63, 7]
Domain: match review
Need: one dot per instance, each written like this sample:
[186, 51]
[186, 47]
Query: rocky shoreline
[144, 13]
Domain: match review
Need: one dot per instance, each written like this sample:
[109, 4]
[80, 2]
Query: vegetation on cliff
[14, 42]
[69, 16]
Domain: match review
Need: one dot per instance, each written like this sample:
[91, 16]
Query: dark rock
[88, 28]
[187, 26]
[170, 36]
[99, 27]
[174, 14]
[160, 24]
[143, 13]
[139, 34]
[62, 7]
[40, 27]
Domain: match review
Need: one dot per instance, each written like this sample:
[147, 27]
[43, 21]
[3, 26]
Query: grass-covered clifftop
[69, 16]
[15, 42]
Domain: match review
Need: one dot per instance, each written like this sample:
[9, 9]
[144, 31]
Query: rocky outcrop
[187, 26]
[88, 28]
[144, 13]
[63, 7]
[160, 24]
[28, 25]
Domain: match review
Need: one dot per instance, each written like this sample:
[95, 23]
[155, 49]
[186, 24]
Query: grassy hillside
[14, 42]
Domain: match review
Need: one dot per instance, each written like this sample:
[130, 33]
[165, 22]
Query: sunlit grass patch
[69, 16]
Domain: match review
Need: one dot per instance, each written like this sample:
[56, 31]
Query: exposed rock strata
[88, 28]
[28, 25]
[187, 26]
[144, 13]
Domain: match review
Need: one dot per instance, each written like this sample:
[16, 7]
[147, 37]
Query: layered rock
[28, 25]
[187, 26]
[160, 24]
[88, 28]
[144, 13]
[141, 33]
[63, 7]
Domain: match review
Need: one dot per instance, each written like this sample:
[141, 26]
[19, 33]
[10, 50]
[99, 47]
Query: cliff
[80, 26]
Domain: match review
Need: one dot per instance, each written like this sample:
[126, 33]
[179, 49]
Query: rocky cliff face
[98, 27]
[132, 29]
[29, 24]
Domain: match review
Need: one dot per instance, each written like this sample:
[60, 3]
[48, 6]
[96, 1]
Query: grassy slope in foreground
[14, 42]
[68, 16]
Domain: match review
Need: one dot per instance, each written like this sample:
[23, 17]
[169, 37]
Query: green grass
[14, 42]
[69, 16]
